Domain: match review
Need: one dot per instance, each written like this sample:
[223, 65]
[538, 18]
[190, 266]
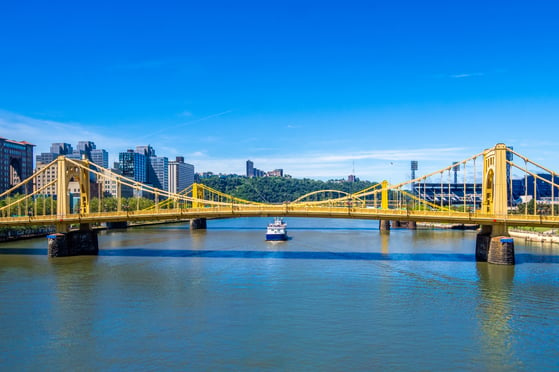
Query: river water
[339, 295]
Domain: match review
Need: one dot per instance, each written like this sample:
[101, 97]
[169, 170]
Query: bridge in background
[28, 203]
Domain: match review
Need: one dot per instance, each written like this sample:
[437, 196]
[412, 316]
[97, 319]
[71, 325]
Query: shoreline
[532, 236]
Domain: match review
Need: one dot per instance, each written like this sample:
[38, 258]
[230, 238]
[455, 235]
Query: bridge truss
[497, 187]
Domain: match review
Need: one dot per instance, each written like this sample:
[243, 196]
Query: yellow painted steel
[201, 201]
[83, 179]
[63, 204]
[384, 195]
[494, 188]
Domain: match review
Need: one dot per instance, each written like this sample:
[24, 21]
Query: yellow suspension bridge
[488, 171]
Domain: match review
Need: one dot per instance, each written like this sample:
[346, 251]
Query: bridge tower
[197, 195]
[69, 172]
[493, 244]
[384, 225]
[77, 242]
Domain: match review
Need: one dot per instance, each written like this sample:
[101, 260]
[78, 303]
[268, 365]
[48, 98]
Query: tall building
[133, 165]
[61, 148]
[100, 157]
[158, 172]
[250, 169]
[45, 178]
[84, 148]
[16, 162]
[146, 150]
[181, 175]
[108, 186]
[45, 158]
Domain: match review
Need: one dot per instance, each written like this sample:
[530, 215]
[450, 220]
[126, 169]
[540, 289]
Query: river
[339, 295]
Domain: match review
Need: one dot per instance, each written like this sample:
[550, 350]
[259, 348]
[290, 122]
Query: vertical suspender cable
[448, 194]
[535, 195]
[475, 186]
[525, 188]
[464, 191]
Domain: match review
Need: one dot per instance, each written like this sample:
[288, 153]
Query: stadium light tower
[455, 169]
[413, 169]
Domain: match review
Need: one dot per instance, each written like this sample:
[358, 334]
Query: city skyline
[320, 91]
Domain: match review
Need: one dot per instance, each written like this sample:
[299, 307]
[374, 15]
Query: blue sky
[318, 88]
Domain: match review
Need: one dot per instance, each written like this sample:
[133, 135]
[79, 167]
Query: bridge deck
[289, 211]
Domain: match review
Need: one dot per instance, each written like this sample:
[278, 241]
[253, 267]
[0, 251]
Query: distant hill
[277, 189]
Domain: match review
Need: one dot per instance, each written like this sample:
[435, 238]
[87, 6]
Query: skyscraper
[87, 148]
[16, 162]
[61, 148]
[84, 148]
[133, 165]
[181, 175]
[250, 168]
[146, 150]
[158, 168]
[100, 157]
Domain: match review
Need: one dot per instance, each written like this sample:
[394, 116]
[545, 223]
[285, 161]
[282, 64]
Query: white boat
[276, 230]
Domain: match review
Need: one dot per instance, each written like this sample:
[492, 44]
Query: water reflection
[198, 238]
[384, 242]
[168, 297]
[198, 241]
[495, 314]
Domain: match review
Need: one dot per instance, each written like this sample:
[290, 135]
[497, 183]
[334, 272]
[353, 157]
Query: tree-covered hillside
[277, 189]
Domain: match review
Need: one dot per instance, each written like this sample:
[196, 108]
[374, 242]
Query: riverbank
[27, 233]
[549, 236]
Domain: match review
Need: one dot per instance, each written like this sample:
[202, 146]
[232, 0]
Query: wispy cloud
[43, 132]
[372, 165]
[467, 75]
[337, 162]
[169, 129]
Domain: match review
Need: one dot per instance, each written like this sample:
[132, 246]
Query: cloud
[468, 75]
[43, 132]
[168, 129]
[337, 162]
[373, 165]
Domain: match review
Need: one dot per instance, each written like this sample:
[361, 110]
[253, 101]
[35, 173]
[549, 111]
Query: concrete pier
[384, 225]
[73, 243]
[493, 247]
[483, 241]
[501, 251]
[198, 224]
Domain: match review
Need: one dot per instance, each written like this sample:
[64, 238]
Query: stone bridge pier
[493, 245]
[73, 243]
